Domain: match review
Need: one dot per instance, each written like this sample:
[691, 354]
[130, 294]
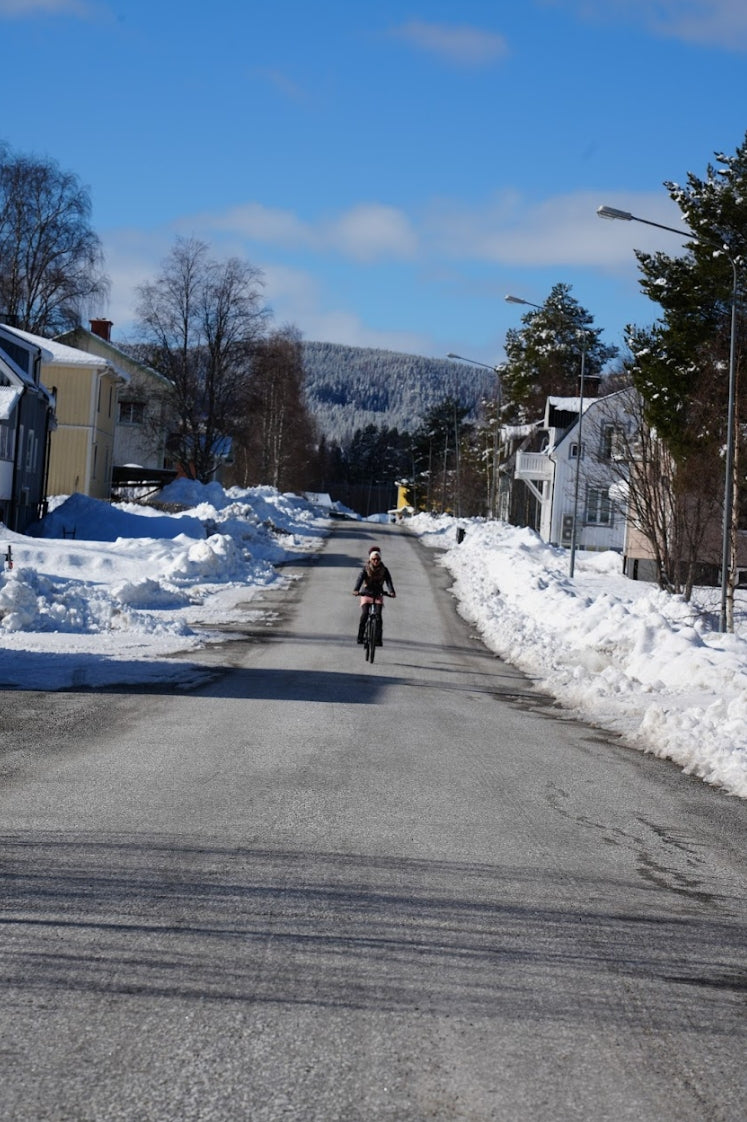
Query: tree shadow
[159, 916]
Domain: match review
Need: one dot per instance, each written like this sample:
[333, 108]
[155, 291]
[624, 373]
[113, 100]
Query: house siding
[82, 447]
[134, 443]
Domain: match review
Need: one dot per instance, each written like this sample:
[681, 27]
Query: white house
[579, 461]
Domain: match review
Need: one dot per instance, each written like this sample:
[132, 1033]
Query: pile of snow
[122, 587]
[620, 653]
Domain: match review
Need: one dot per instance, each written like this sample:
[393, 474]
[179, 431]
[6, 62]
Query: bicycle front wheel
[369, 638]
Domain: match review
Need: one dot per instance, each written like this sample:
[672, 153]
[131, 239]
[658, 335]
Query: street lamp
[731, 503]
[579, 451]
[496, 443]
[518, 300]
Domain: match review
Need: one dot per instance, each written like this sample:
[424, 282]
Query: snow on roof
[511, 432]
[57, 353]
[8, 397]
[570, 404]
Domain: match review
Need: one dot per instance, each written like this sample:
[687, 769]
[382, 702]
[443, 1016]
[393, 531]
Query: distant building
[142, 422]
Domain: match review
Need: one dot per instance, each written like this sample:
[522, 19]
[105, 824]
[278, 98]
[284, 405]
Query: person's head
[374, 557]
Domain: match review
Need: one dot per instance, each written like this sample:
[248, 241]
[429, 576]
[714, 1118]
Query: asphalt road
[318, 890]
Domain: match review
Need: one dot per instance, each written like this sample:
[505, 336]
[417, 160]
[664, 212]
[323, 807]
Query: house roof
[13, 372]
[570, 404]
[122, 362]
[54, 353]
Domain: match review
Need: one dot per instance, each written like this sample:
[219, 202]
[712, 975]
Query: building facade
[85, 387]
[27, 419]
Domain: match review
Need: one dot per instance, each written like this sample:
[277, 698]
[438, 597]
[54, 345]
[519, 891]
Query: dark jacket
[371, 581]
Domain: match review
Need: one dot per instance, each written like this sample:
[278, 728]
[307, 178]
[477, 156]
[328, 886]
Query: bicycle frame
[372, 631]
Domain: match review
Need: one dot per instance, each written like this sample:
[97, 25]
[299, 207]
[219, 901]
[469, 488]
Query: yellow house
[403, 508]
[81, 453]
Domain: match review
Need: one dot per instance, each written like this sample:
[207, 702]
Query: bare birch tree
[202, 320]
[275, 439]
[51, 261]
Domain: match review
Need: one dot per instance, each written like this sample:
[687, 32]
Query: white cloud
[296, 296]
[564, 230]
[293, 295]
[370, 231]
[264, 224]
[132, 257]
[365, 232]
[719, 23]
[466, 46]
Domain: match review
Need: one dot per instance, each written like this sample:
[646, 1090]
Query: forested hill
[348, 388]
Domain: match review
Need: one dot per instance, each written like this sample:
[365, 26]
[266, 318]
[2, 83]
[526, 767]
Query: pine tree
[543, 357]
[681, 364]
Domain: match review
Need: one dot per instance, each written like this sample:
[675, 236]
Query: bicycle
[372, 631]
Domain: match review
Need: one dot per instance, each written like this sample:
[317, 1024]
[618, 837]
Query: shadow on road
[203, 923]
[217, 674]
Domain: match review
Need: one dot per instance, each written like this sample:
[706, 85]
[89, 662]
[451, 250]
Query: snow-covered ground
[135, 586]
[620, 653]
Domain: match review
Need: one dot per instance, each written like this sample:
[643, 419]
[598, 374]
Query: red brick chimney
[102, 328]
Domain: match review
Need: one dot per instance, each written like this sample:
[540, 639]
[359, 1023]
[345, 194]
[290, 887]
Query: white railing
[533, 465]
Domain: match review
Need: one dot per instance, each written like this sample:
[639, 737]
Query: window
[573, 451]
[598, 506]
[131, 412]
[613, 443]
[6, 442]
[31, 444]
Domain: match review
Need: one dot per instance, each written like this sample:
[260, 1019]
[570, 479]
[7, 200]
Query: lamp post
[458, 503]
[731, 504]
[579, 451]
[518, 300]
[496, 442]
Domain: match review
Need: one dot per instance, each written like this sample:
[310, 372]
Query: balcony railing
[533, 465]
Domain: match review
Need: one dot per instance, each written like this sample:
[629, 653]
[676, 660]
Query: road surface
[313, 889]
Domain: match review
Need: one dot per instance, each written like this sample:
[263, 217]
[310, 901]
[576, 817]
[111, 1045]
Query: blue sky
[393, 169]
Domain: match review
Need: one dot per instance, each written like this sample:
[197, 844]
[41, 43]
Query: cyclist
[372, 579]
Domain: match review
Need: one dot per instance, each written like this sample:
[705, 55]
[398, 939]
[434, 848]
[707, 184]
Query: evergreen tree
[543, 357]
[376, 452]
[681, 363]
[437, 448]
